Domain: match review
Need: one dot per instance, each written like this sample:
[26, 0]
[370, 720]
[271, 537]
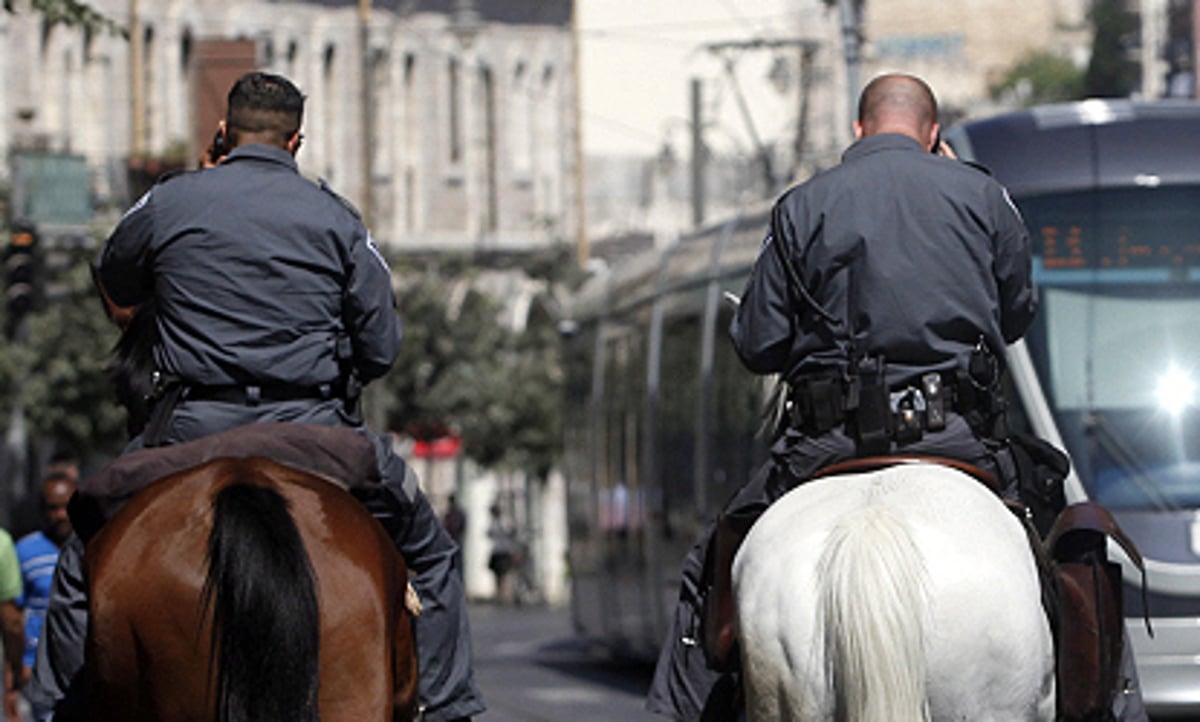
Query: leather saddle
[339, 454]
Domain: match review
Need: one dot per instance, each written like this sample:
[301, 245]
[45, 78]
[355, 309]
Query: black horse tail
[262, 591]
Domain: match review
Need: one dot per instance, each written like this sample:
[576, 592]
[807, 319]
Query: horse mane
[131, 367]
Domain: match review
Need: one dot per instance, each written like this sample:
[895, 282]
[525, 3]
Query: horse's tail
[872, 601]
[262, 591]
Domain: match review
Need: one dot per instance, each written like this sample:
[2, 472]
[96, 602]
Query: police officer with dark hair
[273, 304]
[884, 295]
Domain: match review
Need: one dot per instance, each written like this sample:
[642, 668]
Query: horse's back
[928, 532]
[149, 622]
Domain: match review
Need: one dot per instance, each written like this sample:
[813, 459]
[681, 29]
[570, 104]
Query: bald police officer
[273, 304]
[886, 285]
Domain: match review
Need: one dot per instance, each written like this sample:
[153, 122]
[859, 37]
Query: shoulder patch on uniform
[141, 203]
[1008, 199]
[374, 249]
[345, 203]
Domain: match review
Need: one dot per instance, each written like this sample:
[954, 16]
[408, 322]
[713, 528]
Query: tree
[71, 12]
[462, 371]
[1111, 72]
[68, 396]
[58, 375]
[1040, 77]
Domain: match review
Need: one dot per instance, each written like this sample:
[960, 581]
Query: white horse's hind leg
[987, 607]
[782, 670]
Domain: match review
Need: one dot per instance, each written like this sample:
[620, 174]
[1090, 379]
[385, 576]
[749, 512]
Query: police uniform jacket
[256, 272]
[910, 256]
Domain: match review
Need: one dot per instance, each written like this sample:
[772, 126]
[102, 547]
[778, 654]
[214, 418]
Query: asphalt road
[530, 667]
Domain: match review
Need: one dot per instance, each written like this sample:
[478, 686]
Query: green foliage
[70, 12]
[462, 370]
[58, 374]
[1040, 77]
[1112, 73]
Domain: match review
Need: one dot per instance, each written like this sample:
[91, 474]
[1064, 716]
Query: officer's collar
[258, 151]
[879, 142]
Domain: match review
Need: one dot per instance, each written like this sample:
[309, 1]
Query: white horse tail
[872, 597]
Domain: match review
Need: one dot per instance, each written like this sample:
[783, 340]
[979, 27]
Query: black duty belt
[253, 395]
[821, 402]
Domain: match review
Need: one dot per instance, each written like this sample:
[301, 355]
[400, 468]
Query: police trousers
[684, 688]
[446, 687]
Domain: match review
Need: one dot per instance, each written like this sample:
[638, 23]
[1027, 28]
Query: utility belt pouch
[817, 404]
[873, 419]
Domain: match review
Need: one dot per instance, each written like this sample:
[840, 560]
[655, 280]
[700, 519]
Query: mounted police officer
[273, 304]
[884, 295]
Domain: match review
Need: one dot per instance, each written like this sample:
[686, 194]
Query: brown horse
[241, 590]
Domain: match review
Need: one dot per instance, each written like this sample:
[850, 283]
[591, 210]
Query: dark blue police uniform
[271, 297]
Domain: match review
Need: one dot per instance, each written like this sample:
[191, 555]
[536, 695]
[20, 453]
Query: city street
[531, 668]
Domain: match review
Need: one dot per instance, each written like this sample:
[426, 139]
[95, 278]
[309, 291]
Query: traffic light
[22, 276]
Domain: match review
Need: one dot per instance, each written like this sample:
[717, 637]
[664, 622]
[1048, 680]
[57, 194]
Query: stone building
[463, 138]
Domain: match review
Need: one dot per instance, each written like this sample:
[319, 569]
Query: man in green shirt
[12, 622]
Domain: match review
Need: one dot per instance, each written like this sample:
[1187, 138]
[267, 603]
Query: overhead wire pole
[851, 13]
[368, 109]
[764, 153]
[726, 51]
[699, 153]
[137, 78]
[801, 138]
[582, 247]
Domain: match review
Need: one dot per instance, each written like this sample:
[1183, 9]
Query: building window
[330, 107]
[487, 83]
[453, 93]
[520, 122]
[411, 148]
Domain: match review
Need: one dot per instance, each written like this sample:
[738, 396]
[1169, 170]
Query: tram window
[579, 446]
[679, 386]
[738, 399]
[620, 488]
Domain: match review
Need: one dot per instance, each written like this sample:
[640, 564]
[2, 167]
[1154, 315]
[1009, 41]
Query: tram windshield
[1117, 343]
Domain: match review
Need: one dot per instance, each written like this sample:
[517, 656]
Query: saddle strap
[1078, 530]
[1089, 636]
[718, 617]
[1089, 642]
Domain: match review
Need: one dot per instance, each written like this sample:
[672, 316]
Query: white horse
[904, 594]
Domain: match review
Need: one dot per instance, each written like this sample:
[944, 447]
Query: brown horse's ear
[120, 315]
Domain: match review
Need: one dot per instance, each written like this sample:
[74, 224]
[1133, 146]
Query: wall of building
[472, 142]
[963, 46]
